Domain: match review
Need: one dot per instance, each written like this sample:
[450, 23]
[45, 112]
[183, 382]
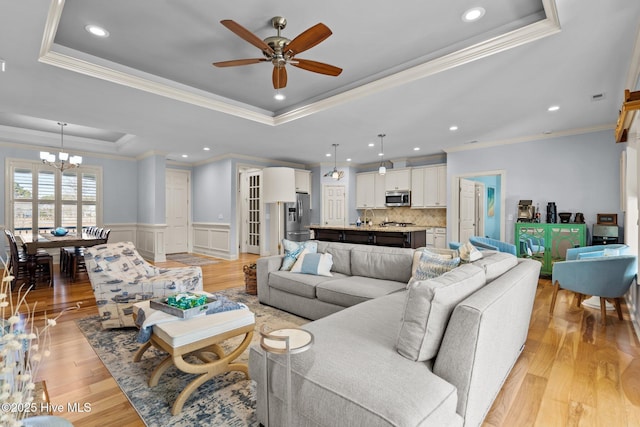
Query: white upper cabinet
[303, 181]
[365, 190]
[435, 186]
[370, 190]
[398, 180]
[429, 187]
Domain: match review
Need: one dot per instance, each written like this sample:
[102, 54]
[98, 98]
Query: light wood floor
[573, 372]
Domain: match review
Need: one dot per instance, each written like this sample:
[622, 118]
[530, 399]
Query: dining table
[32, 242]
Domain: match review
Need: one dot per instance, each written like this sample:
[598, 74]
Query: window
[44, 198]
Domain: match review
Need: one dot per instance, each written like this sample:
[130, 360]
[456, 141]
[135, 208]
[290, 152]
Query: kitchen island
[402, 237]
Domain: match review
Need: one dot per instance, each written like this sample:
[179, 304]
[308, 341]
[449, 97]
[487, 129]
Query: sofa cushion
[292, 251]
[382, 262]
[313, 263]
[353, 290]
[496, 263]
[295, 283]
[341, 253]
[428, 307]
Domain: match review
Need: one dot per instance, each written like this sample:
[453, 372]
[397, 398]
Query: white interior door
[177, 211]
[467, 213]
[333, 205]
[250, 233]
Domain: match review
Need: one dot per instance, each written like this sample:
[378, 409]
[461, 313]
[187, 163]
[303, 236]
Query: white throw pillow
[428, 307]
[469, 253]
[313, 263]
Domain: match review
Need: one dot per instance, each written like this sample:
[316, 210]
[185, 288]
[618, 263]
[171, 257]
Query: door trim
[454, 216]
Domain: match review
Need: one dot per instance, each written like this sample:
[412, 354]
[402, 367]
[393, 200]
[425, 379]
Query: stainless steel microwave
[397, 198]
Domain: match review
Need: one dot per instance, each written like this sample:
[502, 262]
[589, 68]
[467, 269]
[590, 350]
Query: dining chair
[75, 255]
[18, 262]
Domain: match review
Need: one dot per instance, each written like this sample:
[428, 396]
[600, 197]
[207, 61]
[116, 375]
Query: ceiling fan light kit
[281, 51]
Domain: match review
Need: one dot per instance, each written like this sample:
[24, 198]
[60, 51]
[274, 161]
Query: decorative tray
[163, 304]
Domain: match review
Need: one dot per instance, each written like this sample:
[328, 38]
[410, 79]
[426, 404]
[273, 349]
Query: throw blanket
[147, 316]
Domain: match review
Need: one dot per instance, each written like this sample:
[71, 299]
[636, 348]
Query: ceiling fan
[281, 51]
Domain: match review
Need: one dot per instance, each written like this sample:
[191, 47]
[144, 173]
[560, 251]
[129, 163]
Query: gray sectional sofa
[354, 374]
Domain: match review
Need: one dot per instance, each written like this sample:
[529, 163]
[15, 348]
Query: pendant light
[382, 170]
[335, 173]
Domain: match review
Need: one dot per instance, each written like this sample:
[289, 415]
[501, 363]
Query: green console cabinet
[548, 243]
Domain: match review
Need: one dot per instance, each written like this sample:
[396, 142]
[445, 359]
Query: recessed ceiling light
[97, 31]
[473, 14]
[553, 108]
[279, 96]
[380, 154]
[328, 154]
[206, 148]
[349, 159]
[416, 148]
[3, 65]
[453, 128]
[371, 144]
[184, 156]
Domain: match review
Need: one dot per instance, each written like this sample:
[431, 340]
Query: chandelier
[64, 160]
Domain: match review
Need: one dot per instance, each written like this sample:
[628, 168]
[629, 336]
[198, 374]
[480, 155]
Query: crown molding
[531, 138]
[152, 84]
[244, 157]
[632, 82]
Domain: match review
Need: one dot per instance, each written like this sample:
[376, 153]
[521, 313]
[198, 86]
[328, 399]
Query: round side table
[286, 341]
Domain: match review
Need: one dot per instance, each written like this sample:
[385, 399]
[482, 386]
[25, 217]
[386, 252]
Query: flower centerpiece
[23, 345]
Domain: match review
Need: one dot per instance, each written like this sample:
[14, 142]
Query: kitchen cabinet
[397, 180]
[548, 243]
[303, 181]
[436, 237]
[429, 187]
[370, 190]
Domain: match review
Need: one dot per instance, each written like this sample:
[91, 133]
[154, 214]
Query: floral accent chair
[120, 277]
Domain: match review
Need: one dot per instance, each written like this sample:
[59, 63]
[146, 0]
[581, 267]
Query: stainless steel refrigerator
[297, 218]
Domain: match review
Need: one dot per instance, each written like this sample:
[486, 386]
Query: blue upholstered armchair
[493, 244]
[605, 271]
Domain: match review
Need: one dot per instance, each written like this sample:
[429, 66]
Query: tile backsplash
[430, 217]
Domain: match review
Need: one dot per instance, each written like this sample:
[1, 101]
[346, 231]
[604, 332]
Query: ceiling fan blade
[316, 67]
[247, 35]
[309, 39]
[236, 62]
[279, 77]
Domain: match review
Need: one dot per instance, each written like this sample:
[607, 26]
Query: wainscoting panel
[150, 240]
[122, 232]
[213, 239]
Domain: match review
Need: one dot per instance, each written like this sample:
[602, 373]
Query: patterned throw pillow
[432, 265]
[313, 263]
[292, 251]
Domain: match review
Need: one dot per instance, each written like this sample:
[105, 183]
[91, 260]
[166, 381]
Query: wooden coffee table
[200, 336]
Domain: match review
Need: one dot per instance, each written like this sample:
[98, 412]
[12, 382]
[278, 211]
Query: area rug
[190, 259]
[227, 400]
